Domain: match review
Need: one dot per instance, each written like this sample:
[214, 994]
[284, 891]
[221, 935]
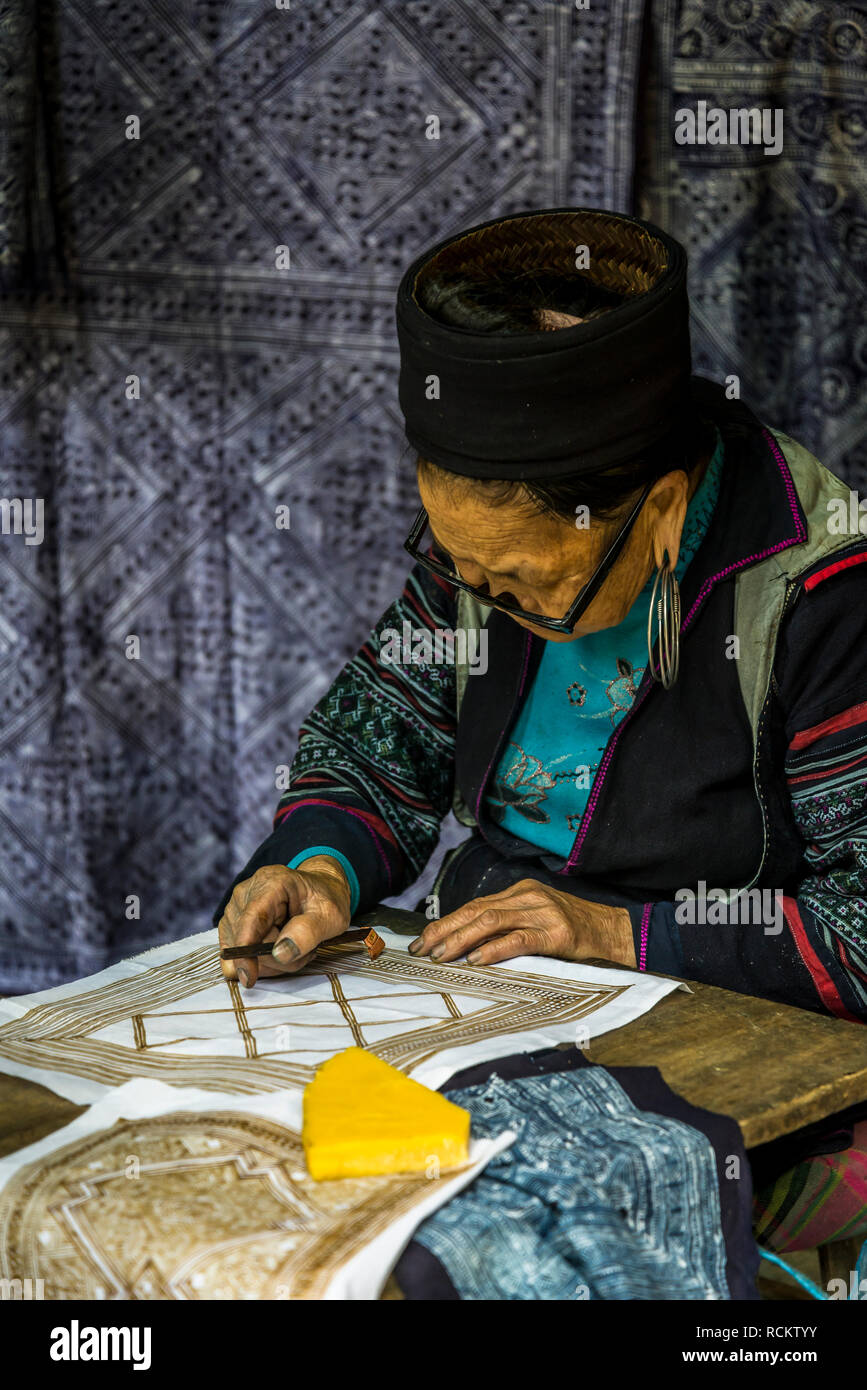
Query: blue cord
[812, 1289]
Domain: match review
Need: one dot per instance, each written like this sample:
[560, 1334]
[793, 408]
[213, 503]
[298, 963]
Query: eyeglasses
[582, 601]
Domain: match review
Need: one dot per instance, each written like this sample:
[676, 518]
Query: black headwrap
[546, 404]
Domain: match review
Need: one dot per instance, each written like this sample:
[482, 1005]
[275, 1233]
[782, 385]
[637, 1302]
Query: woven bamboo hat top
[543, 404]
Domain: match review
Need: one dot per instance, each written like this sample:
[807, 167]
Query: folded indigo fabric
[615, 1188]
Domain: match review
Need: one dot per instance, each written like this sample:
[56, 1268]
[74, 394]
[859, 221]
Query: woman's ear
[669, 500]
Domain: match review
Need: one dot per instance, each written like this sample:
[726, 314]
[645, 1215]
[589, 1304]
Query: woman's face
[542, 561]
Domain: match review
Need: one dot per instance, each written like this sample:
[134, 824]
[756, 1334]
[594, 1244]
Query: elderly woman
[647, 696]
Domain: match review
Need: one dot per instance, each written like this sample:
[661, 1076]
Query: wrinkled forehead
[511, 538]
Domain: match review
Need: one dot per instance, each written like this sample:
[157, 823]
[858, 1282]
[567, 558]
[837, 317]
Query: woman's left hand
[529, 919]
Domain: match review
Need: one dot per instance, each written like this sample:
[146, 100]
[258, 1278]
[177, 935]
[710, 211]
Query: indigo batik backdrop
[204, 212]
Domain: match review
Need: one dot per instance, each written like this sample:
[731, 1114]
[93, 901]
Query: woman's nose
[476, 576]
[499, 589]
[472, 574]
[496, 588]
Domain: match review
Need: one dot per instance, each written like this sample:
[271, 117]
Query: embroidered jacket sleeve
[373, 775]
[815, 953]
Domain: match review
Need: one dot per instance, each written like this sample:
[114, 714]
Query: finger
[268, 967]
[301, 935]
[524, 941]
[226, 936]
[487, 923]
[260, 919]
[437, 931]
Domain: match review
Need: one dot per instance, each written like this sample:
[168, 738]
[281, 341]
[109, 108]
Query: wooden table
[771, 1067]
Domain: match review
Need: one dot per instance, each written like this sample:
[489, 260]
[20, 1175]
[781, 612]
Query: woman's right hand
[295, 908]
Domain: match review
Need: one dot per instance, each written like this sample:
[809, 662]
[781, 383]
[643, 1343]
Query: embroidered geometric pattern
[383, 736]
[826, 771]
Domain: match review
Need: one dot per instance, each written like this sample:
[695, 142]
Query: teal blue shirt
[581, 691]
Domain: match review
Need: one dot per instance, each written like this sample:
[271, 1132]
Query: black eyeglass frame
[583, 600]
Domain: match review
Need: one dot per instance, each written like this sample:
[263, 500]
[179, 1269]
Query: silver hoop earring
[667, 608]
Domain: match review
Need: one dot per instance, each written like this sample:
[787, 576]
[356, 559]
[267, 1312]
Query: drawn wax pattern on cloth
[171, 1016]
[204, 1203]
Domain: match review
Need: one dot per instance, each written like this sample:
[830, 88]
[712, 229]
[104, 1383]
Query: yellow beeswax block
[363, 1117]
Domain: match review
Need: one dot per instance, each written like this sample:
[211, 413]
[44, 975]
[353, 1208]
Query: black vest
[676, 795]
